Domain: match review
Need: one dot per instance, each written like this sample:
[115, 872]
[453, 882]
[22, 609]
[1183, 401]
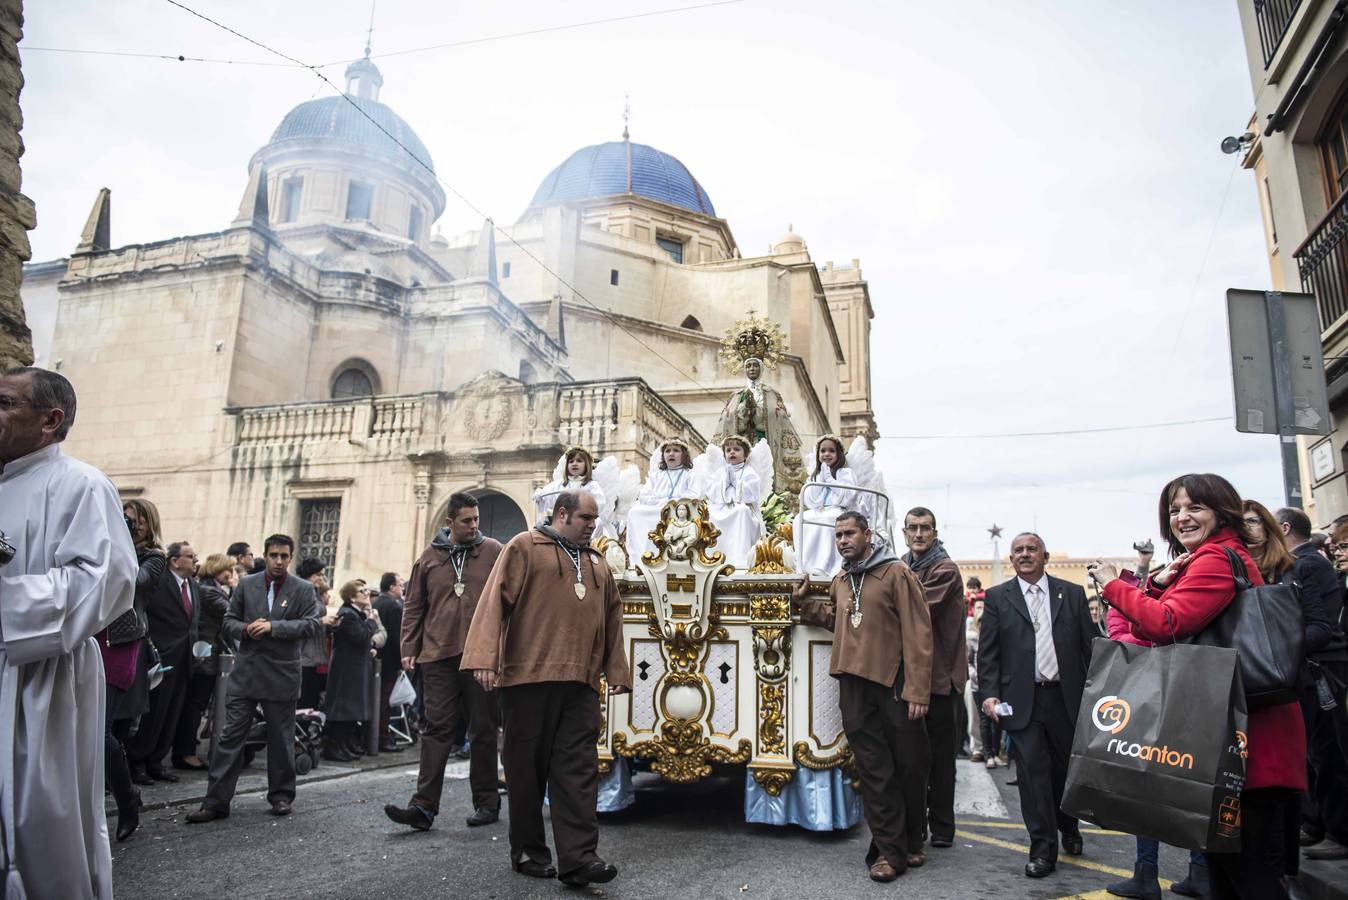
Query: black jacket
[1321, 604]
[1006, 658]
[351, 667]
[390, 611]
[171, 628]
[210, 617]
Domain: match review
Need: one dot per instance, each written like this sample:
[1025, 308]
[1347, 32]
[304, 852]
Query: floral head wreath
[576, 448]
[735, 438]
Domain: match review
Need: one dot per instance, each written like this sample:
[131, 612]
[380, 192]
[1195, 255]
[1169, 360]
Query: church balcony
[491, 413]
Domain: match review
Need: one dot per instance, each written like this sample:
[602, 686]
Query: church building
[331, 367]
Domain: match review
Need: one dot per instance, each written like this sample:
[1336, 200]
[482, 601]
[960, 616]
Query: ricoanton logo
[1110, 714]
[1163, 755]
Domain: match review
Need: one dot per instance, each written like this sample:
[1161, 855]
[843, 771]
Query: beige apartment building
[1296, 146]
[329, 365]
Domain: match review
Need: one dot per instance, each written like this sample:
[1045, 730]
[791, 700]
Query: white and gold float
[724, 675]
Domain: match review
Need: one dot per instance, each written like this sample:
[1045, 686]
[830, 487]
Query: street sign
[1260, 355]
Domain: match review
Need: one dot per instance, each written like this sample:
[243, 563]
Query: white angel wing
[883, 506]
[607, 477]
[559, 471]
[760, 460]
[708, 465]
[862, 463]
[655, 463]
[629, 488]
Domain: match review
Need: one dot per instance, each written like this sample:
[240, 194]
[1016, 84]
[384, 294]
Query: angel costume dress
[733, 495]
[75, 571]
[546, 496]
[662, 486]
[816, 552]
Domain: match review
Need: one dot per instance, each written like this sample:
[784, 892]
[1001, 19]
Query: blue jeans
[1148, 847]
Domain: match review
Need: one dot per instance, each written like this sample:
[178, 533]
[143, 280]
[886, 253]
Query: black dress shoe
[391, 747]
[597, 872]
[482, 816]
[1038, 868]
[128, 820]
[186, 765]
[280, 808]
[533, 869]
[1072, 844]
[942, 841]
[161, 775]
[205, 814]
[336, 753]
[141, 778]
[410, 816]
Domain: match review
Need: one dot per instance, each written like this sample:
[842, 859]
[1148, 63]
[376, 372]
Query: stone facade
[328, 367]
[17, 216]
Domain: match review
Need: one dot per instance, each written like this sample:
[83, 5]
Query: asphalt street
[676, 842]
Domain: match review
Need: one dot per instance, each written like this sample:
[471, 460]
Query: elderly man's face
[23, 427]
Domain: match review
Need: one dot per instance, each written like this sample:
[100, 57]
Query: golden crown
[753, 338]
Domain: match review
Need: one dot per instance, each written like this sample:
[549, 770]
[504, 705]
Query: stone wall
[17, 216]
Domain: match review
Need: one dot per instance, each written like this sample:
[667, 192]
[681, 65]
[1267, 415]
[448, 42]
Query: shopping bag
[403, 693]
[1160, 745]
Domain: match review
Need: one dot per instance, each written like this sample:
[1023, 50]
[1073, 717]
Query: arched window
[352, 383]
[527, 374]
[691, 322]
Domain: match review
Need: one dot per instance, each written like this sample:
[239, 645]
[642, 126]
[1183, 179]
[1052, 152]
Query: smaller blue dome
[622, 167]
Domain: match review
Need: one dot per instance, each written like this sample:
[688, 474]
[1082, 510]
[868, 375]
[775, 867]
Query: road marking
[976, 794]
[975, 824]
[1093, 895]
[1069, 860]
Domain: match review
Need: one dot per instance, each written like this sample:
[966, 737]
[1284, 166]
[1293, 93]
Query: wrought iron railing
[1322, 263]
[1273, 18]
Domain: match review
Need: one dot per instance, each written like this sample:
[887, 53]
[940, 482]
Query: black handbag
[1263, 624]
[129, 626]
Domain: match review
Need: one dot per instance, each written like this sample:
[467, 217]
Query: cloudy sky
[1034, 189]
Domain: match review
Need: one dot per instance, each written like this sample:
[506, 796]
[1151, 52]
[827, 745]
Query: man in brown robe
[944, 587]
[882, 656]
[548, 627]
[442, 595]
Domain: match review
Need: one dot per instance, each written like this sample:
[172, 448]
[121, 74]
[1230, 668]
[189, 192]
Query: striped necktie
[1046, 657]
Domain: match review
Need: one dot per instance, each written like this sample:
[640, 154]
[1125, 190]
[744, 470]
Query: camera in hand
[7, 550]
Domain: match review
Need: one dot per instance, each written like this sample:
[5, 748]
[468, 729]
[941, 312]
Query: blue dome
[607, 169]
[339, 119]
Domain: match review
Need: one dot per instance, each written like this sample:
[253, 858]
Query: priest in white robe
[73, 571]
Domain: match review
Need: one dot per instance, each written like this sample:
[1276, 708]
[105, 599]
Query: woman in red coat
[1203, 515]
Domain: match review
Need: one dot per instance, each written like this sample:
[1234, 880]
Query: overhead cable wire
[179, 57]
[1024, 434]
[545, 30]
[463, 199]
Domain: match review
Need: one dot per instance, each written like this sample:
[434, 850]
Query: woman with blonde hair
[1267, 544]
[216, 580]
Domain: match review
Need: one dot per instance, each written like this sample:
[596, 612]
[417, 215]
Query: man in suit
[270, 615]
[1034, 647]
[389, 605]
[172, 615]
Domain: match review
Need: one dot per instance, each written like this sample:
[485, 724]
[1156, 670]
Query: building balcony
[1273, 18]
[1322, 263]
[491, 413]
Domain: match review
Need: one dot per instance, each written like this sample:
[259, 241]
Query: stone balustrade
[618, 416]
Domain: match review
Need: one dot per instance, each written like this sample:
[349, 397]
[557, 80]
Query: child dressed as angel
[825, 498]
[671, 478]
[576, 471]
[734, 488]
